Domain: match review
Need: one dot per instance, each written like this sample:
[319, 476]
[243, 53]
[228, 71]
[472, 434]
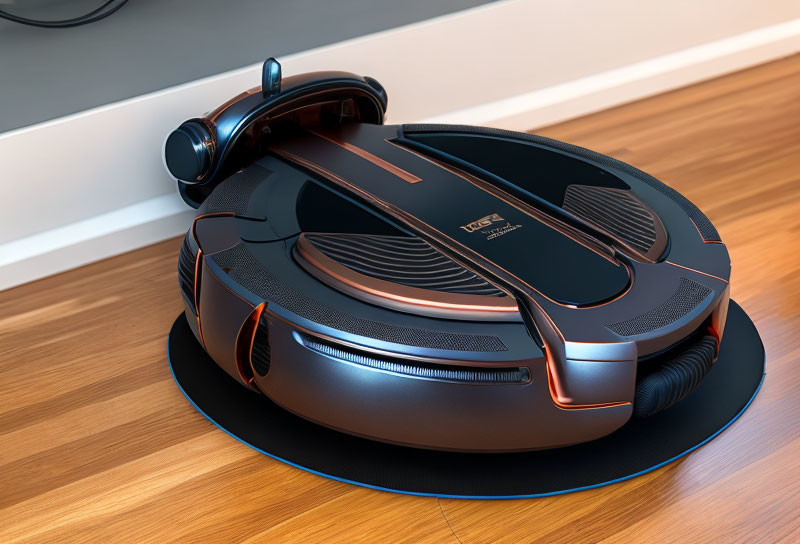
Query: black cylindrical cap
[187, 153]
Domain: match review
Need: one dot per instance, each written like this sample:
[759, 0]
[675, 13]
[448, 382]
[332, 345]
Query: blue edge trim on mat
[479, 497]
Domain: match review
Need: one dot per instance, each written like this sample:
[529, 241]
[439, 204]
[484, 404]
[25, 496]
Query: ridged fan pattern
[459, 374]
[400, 259]
[616, 211]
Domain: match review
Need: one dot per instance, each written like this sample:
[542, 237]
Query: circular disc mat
[638, 447]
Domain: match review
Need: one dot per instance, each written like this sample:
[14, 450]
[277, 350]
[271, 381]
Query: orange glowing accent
[244, 344]
[713, 332]
[198, 267]
[196, 285]
[377, 161]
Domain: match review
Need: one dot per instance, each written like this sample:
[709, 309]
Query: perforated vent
[186, 266]
[686, 298]
[450, 373]
[615, 211]
[233, 194]
[260, 356]
[253, 276]
[704, 226]
[402, 259]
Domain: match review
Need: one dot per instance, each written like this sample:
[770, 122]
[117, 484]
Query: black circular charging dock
[638, 447]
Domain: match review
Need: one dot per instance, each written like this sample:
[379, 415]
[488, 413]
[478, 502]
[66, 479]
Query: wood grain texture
[97, 444]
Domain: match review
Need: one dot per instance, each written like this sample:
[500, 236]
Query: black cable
[85, 19]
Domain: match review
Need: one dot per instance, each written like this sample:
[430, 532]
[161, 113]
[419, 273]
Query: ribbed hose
[674, 380]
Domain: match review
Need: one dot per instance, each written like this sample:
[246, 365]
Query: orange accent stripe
[577, 236]
[244, 344]
[377, 161]
[441, 238]
[198, 264]
[693, 270]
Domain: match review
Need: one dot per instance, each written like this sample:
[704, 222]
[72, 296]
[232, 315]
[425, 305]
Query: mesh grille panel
[253, 276]
[615, 211]
[233, 194]
[686, 298]
[401, 259]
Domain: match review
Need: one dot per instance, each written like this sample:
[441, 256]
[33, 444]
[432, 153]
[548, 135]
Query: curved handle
[199, 152]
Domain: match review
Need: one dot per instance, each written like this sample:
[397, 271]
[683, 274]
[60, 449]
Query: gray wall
[149, 45]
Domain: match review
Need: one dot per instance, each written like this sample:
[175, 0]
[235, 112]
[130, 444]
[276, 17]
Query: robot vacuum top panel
[438, 286]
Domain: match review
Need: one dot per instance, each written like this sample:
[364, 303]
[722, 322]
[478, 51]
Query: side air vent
[405, 260]
[186, 272]
[617, 212]
[686, 298]
[260, 356]
[431, 371]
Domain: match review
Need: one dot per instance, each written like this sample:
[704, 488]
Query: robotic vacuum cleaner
[443, 287]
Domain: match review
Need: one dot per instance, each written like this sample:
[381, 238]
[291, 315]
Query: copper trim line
[693, 270]
[441, 240]
[569, 231]
[401, 296]
[437, 238]
[198, 267]
[377, 161]
[244, 344]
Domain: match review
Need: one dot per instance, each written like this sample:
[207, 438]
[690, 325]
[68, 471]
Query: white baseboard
[88, 240]
[91, 185]
[632, 82]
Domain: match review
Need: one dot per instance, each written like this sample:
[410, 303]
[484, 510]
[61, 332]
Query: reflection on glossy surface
[97, 441]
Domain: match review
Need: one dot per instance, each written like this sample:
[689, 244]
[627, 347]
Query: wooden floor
[97, 443]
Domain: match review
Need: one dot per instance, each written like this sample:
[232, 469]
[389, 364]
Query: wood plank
[97, 444]
[732, 146]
